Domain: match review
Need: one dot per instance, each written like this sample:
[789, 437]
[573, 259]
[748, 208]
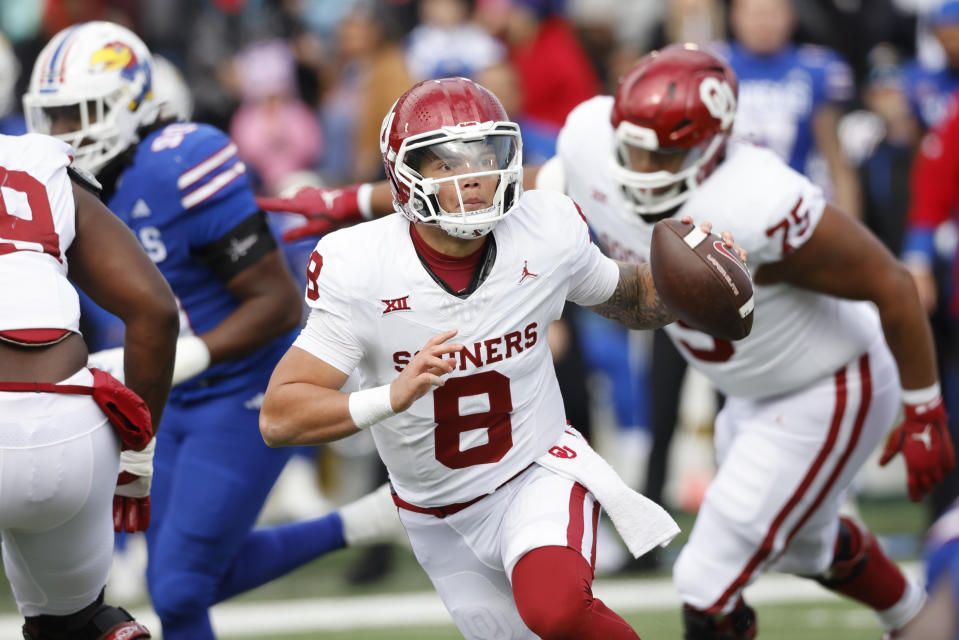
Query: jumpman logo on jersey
[925, 437]
[526, 273]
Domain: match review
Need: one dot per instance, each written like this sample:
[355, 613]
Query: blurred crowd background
[844, 89]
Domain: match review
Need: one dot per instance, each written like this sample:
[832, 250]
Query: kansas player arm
[269, 300]
[635, 303]
[109, 265]
[844, 259]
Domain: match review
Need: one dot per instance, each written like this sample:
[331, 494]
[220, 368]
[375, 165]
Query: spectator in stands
[933, 209]
[930, 87]
[554, 70]
[791, 97]
[276, 134]
[447, 42]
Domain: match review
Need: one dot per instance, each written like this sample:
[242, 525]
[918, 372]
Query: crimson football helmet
[465, 126]
[678, 99]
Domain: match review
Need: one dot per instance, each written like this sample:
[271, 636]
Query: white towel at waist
[641, 523]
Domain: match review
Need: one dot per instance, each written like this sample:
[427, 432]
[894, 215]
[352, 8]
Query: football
[701, 280]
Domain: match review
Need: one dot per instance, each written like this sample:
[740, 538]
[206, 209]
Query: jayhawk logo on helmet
[117, 55]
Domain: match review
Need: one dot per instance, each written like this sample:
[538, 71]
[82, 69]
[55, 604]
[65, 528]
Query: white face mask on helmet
[450, 139]
[458, 162]
[99, 76]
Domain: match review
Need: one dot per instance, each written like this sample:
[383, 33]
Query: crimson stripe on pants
[864, 401]
[592, 555]
[574, 530]
[765, 548]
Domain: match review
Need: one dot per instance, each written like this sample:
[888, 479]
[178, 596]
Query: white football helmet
[171, 91]
[99, 76]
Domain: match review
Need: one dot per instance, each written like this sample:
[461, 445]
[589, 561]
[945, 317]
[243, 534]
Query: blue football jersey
[185, 189]
[941, 549]
[929, 91]
[779, 93]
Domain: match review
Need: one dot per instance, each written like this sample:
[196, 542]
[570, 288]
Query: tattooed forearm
[635, 303]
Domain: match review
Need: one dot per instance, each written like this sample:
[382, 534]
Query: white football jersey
[798, 335]
[375, 305]
[37, 226]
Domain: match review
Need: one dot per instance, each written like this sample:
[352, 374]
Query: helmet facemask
[474, 169]
[662, 191]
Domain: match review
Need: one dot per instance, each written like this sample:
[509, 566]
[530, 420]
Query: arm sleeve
[239, 248]
[792, 207]
[593, 276]
[213, 186]
[329, 338]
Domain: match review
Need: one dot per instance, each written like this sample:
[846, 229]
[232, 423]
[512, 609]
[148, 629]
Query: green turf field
[822, 621]
[309, 590]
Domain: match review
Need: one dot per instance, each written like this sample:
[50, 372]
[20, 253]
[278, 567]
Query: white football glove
[192, 358]
[131, 500]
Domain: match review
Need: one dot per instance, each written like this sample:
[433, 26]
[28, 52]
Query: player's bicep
[300, 366]
[841, 258]
[103, 248]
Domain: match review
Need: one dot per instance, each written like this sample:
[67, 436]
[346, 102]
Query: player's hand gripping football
[131, 500]
[325, 209]
[424, 371]
[727, 236]
[923, 438]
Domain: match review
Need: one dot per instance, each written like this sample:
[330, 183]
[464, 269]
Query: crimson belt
[449, 509]
[46, 387]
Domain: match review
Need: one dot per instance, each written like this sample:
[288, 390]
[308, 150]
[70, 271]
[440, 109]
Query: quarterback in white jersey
[815, 387]
[59, 456]
[467, 428]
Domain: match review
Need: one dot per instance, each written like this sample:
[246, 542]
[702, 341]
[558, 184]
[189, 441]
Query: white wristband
[139, 463]
[192, 358]
[364, 200]
[369, 406]
[921, 396]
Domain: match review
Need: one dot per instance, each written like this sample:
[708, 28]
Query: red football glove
[324, 209]
[131, 500]
[923, 438]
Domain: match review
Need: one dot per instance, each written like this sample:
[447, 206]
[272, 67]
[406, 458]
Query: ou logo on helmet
[719, 99]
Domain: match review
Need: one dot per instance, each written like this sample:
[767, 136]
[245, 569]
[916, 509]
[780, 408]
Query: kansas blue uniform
[780, 93]
[185, 189]
[184, 195]
[941, 551]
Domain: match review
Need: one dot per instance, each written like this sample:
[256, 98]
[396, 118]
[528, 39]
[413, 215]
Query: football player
[59, 455]
[839, 345]
[184, 193]
[818, 383]
[464, 427]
